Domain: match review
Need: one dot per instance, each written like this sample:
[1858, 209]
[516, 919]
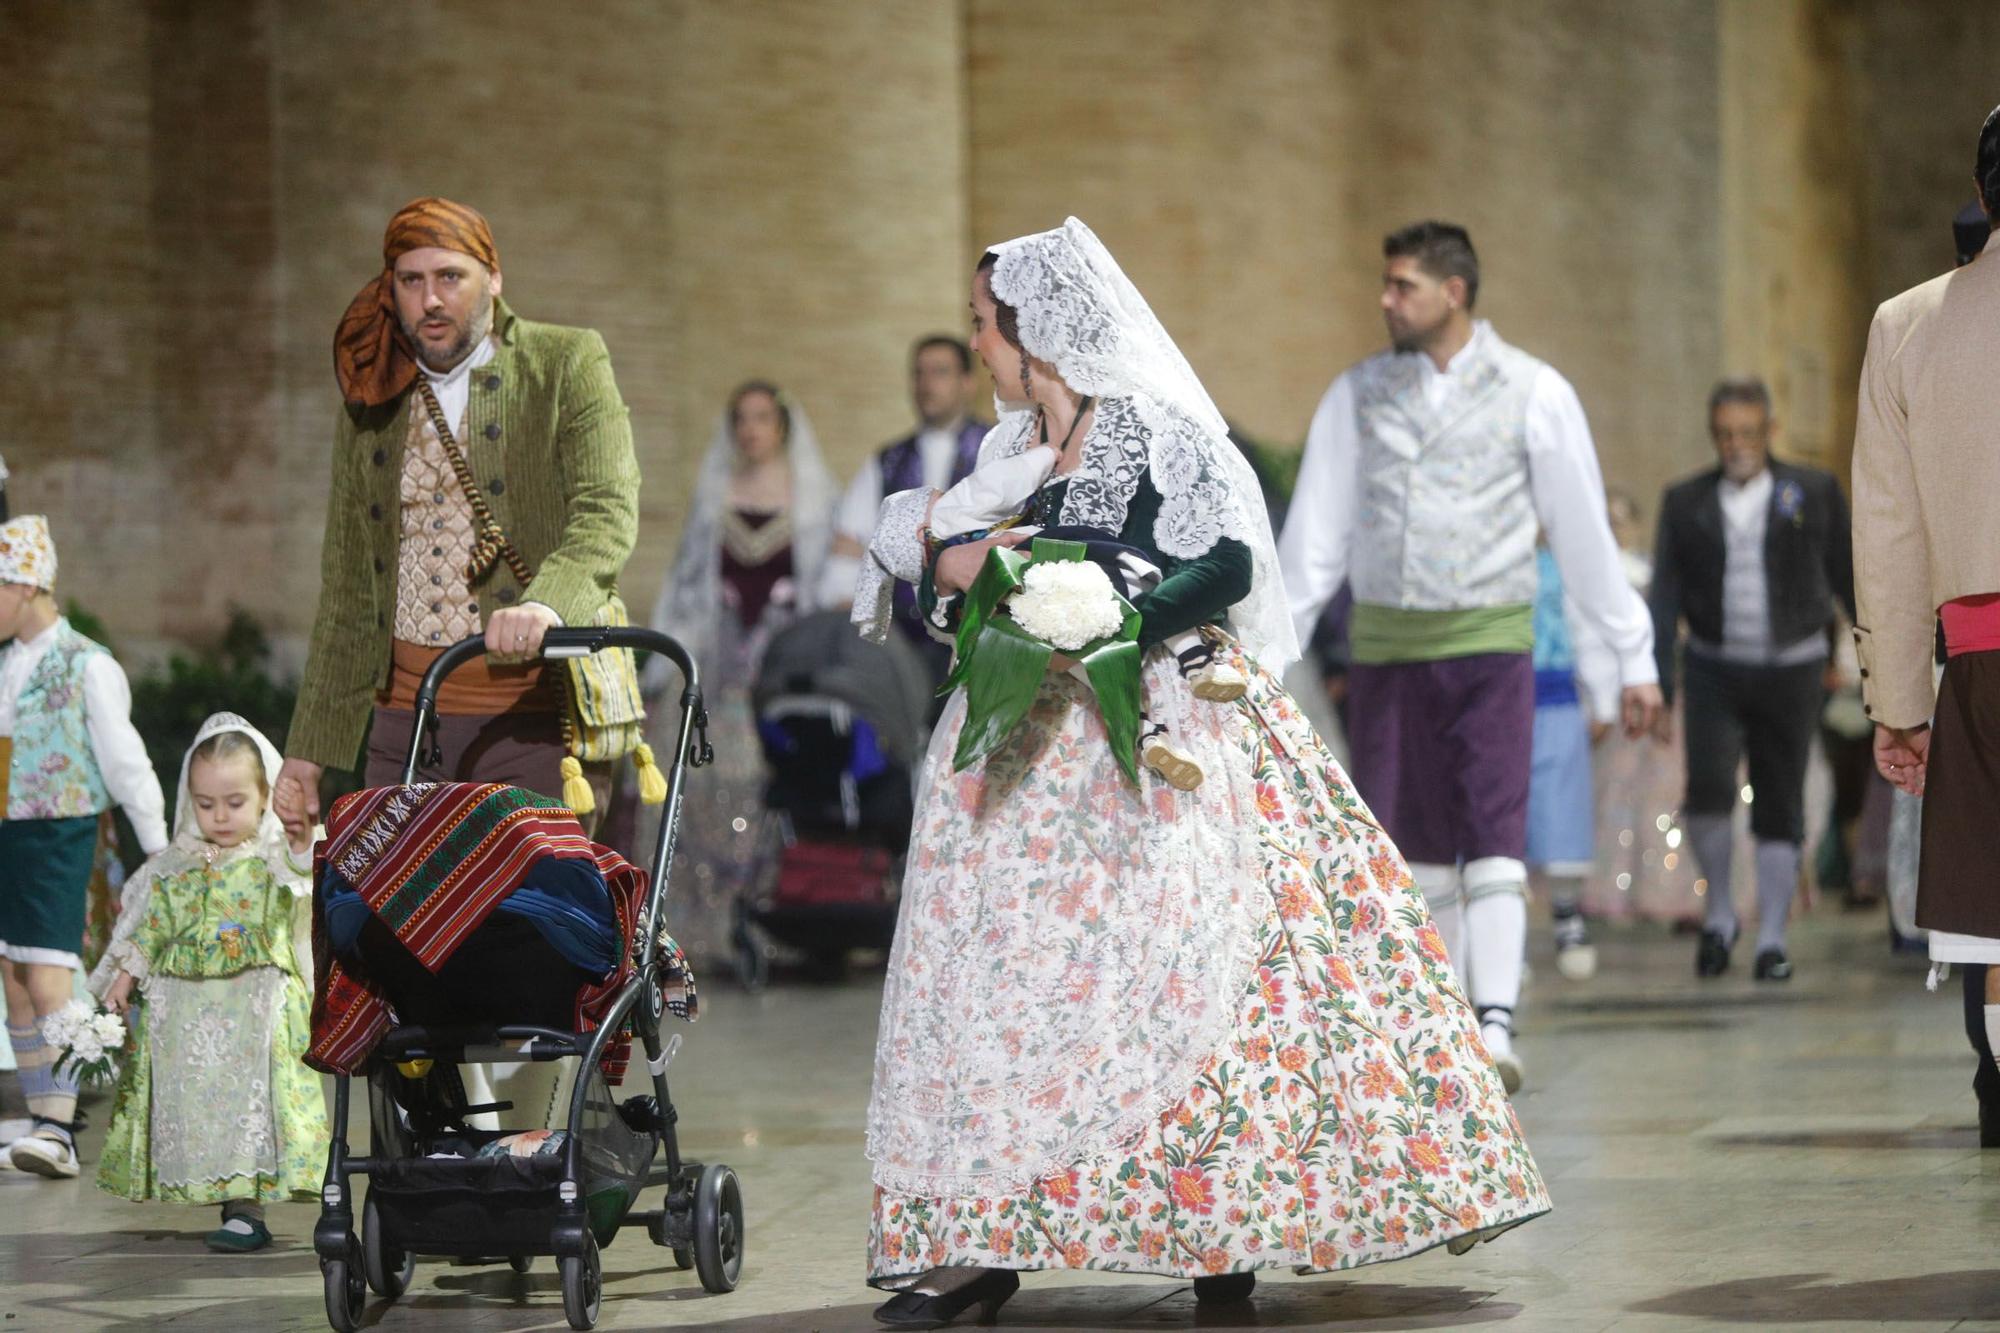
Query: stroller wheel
[718, 1229]
[346, 1292]
[683, 1258]
[582, 1287]
[388, 1271]
[521, 1263]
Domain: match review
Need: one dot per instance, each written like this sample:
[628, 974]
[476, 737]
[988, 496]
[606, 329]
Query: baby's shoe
[1171, 762]
[1213, 680]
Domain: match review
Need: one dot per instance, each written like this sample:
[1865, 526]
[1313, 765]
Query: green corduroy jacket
[549, 441]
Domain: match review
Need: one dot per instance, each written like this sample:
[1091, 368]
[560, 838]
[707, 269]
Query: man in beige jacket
[1927, 552]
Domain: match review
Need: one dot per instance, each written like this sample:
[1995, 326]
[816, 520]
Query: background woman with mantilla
[757, 532]
[1189, 1033]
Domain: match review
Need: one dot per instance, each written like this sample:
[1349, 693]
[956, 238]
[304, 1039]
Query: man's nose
[1388, 300]
[432, 299]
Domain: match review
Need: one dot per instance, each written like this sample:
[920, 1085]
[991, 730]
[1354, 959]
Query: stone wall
[1660, 193]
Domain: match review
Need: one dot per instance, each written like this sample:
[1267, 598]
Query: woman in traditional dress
[755, 538]
[1126, 1027]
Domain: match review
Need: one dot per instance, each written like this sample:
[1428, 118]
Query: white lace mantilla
[1078, 311]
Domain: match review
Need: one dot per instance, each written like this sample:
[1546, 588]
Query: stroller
[841, 723]
[436, 1186]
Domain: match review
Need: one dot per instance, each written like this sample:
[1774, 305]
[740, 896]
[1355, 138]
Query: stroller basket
[442, 1180]
[504, 1204]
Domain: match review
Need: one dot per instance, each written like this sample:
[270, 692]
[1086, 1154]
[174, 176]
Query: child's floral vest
[54, 774]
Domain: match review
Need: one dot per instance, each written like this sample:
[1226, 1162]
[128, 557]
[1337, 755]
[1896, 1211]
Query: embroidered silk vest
[1446, 518]
[54, 773]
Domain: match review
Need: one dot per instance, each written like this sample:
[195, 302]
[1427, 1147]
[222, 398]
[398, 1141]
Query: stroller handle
[566, 642]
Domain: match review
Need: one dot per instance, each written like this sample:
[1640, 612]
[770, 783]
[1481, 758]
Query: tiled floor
[1720, 1154]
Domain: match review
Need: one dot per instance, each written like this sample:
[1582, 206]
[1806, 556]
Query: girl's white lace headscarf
[270, 833]
[1079, 312]
[690, 602]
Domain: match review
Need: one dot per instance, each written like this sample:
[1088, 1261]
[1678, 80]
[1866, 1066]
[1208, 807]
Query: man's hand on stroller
[296, 799]
[515, 633]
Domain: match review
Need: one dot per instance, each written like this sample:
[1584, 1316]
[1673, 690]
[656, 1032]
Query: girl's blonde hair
[224, 746]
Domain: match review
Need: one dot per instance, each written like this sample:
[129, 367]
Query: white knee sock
[1439, 885]
[1777, 882]
[1496, 937]
[1714, 840]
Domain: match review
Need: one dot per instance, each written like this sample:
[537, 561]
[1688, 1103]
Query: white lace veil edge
[690, 598]
[1078, 311]
[268, 828]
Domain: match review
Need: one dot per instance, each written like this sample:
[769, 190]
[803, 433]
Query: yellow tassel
[652, 782]
[414, 1068]
[576, 792]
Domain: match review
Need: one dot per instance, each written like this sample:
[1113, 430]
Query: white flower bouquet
[1028, 604]
[89, 1038]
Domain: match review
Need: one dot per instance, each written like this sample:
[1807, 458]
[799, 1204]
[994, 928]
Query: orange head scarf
[372, 359]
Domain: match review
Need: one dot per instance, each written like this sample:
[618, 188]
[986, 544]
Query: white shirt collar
[1463, 358]
[448, 379]
[1758, 483]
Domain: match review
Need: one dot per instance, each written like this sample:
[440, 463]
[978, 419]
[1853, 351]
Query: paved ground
[1721, 1154]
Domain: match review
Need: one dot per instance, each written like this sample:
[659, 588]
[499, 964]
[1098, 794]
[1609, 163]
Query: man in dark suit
[1753, 554]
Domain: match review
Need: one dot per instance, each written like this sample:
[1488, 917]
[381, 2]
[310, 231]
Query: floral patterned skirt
[215, 1102]
[1352, 1116]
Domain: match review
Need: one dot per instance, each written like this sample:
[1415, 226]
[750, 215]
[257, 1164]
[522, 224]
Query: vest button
[493, 431]
[496, 487]
[375, 512]
[506, 596]
[492, 381]
[381, 457]
[379, 566]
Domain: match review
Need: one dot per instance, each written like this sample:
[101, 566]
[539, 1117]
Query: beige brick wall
[793, 189]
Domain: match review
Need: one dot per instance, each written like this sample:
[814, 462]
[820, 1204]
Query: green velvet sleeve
[1196, 592]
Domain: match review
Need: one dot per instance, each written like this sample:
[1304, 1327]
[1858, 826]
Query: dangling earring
[1027, 394]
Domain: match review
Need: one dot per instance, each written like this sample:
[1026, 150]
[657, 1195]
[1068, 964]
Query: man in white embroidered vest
[68, 753]
[1428, 471]
[544, 436]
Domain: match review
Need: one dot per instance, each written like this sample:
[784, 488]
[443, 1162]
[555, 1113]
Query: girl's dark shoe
[918, 1309]
[1224, 1288]
[1772, 965]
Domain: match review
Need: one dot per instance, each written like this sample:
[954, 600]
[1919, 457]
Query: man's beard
[470, 333]
[1412, 339]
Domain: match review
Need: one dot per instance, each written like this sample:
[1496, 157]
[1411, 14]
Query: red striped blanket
[432, 861]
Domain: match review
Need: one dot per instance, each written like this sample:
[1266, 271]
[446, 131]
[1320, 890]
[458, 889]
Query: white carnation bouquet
[89, 1038]
[1027, 605]
[1069, 603]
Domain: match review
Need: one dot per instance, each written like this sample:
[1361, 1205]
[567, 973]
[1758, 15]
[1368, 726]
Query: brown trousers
[1958, 875]
[519, 749]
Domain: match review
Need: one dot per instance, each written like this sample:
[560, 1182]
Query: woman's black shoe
[1772, 965]
[1712, 958]
[1225, 1288]
[917, 1309]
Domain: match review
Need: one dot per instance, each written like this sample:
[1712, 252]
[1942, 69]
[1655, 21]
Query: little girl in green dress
[213, 1104]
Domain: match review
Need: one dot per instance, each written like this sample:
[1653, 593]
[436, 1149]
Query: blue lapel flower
[1790, 502]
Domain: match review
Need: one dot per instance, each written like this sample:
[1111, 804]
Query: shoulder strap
[491, 543]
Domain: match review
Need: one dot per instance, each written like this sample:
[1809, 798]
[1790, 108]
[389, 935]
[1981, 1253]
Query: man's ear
[495, 275]
[1454, 293]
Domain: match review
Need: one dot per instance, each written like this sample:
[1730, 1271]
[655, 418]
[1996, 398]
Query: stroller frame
[701, 1219]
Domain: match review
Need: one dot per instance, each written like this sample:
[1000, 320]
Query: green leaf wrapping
[1001, 665]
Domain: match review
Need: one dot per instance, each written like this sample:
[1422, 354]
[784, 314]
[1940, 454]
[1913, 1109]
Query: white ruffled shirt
[107, 710]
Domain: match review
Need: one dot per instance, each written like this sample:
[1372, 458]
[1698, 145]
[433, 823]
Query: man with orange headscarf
[461, 420]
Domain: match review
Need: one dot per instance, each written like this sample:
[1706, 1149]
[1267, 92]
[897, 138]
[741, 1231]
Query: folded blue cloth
[566, 900]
